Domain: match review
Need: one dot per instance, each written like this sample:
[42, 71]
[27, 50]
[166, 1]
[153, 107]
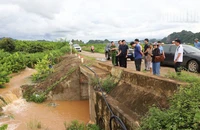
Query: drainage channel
[113, 116]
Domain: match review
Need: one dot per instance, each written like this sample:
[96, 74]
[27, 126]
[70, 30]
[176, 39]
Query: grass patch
[34, 124]
[99, 48]
[75, 125]
[184, 76]
[107, 83]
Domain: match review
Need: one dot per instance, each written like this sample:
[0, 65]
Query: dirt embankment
[65, 76]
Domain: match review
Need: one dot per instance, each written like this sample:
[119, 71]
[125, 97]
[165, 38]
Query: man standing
[113, 50]
[138, 55]
[178, 57]
[146, 46]
[117, 57]
[197, 43]
[123, 52]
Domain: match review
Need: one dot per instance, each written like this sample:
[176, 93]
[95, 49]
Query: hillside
[184, 36]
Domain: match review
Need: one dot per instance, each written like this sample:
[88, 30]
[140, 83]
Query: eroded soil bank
[52, 114]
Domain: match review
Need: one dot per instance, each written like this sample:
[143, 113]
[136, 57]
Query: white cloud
[94, 19]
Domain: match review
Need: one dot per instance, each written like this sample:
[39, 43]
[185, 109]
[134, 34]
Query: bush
[4, 75]
[43, 69]
[184, 111]
[75, 125]
[7, 44]
[108, 84]
[38, 98]
[4, 127]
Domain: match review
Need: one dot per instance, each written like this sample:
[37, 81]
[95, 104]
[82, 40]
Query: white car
[77, 47]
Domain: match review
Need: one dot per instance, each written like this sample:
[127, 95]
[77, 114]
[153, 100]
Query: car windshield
[191, 49]
[76, 45]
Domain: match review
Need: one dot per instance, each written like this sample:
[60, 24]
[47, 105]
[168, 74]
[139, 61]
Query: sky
[97, 19]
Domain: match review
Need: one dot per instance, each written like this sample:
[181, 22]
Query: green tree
[7, 44]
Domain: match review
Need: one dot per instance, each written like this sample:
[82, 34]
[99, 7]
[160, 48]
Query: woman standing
[156, 65]
[149, 58]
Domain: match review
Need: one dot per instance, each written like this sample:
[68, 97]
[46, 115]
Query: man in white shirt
[178, 57]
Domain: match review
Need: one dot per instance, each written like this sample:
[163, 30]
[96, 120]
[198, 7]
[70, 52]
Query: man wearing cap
[197, 43]
[178, 57]
[138, 55]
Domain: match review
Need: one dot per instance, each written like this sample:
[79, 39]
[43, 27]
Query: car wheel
[193, 66]
[132, 58]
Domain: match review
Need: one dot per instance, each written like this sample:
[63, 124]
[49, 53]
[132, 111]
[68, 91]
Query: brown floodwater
[22, 115]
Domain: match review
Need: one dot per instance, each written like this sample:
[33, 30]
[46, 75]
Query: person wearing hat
[197, 43]
[178, 57]
[155, 64]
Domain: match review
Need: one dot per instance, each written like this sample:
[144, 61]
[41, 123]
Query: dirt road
[130, 64]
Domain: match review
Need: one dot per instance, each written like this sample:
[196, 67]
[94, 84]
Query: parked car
[131, 54]
[77, 47]
[191, 57]
[107, 51]
[108, 56]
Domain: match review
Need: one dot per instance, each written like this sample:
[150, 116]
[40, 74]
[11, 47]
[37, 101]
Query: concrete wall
[74, 87]
[132, 97]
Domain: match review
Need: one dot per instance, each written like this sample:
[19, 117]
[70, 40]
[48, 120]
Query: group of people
[119, 53]
[152, 53]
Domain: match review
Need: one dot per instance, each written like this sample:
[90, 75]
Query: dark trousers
[117, 60]
[138, 64]
[123, 61]
[177, 66]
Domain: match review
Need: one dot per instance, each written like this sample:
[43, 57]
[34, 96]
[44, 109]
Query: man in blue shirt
[197, 43]
[138, 55]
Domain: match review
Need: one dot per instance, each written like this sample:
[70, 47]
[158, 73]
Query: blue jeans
[156, 68]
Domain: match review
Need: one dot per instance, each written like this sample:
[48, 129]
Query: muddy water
[22, 115]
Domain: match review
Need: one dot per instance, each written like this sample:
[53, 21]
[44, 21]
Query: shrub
[4, 75]
[184, 112]
[38, 98]
[4, 127]
[42, 68]
[108, 84]
[7, 44]
[75, 125]
[34, 124]
[34, 48]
